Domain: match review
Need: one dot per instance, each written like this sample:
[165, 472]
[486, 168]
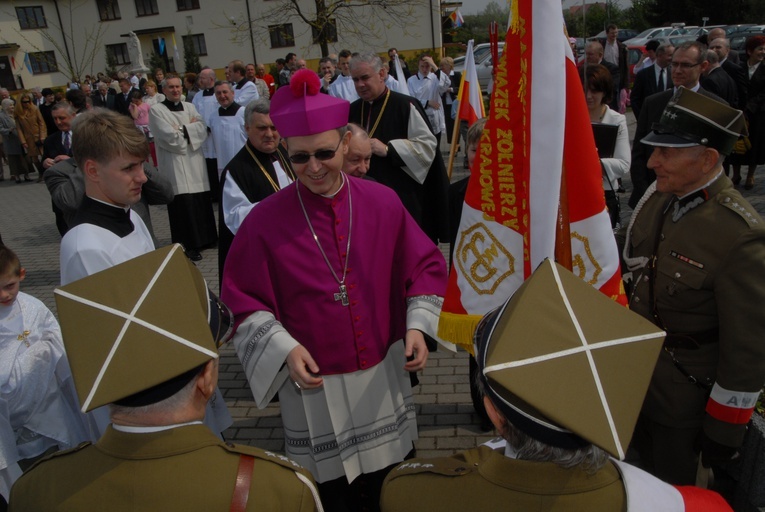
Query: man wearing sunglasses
[150, 330]
[688, 63]
[332, 285]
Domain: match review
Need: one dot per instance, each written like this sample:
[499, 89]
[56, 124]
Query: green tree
[111, 63]
[75, 48]
[190, 56]
[364, 20]
[156, 61]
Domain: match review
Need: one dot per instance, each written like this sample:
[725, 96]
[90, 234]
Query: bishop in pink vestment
[352, 413]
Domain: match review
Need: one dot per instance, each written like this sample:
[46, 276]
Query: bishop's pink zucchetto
[301, 109]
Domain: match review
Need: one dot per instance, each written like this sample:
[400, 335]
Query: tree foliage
[364, 20]
[111, 63]
[74, 55]
[156, 61]
[190, 56]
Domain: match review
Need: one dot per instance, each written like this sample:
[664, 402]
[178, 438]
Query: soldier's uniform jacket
[484, 479]
[706, 288]
[184, 468]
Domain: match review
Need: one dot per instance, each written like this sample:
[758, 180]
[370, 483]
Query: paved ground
[445, 415]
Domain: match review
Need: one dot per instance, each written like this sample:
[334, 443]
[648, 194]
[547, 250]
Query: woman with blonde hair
[152, 96]
[32, 132]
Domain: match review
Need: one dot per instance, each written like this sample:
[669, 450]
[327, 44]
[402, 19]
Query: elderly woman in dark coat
[12, 147]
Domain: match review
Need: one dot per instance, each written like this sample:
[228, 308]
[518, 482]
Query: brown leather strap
[243, 480]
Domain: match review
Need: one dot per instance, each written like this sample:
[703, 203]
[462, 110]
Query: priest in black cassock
[405, 153]
[258, 170]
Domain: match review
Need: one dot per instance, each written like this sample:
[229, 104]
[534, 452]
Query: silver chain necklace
[342, 296]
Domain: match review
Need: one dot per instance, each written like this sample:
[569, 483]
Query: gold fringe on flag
[453, 327]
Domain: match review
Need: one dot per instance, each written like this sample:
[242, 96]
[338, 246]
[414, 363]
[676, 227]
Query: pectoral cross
[342, 296]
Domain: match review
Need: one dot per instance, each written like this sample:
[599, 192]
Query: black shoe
[26, 178]
[193, 255]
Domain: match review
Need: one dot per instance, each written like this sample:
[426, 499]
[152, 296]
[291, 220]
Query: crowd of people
[332, 197]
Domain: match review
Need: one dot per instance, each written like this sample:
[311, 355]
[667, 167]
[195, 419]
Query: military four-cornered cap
[692, 119]
[566, 364]
[137, 331]
[300, 109]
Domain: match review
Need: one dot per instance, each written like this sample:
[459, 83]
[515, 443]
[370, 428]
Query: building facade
[45, 43]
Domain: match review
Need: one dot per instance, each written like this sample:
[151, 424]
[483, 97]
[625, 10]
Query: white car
[483, 63]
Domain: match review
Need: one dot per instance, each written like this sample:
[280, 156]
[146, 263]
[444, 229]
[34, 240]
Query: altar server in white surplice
[38, 403]
[227, 125]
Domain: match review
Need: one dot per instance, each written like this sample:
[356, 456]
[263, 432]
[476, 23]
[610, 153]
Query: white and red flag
[470, 97]
[538, 126]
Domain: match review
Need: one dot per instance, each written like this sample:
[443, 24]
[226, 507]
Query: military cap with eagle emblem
[692, 119]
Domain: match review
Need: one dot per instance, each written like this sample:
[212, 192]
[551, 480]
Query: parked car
[633, 56]
[483, 63]
[484, 69]
[479, 53]
[642, 38]
[730, 30]
[738, 40]
[623, 35]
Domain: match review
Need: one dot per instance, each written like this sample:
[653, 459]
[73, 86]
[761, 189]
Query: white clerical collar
[126, 208]
[705, 185]
[148, 430]
[332, 196]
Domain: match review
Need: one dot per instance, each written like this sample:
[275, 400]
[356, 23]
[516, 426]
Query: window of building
[108, 9]
[146, 7]
[120, 53]
[198, 40]
[327, 33]
[31, 17]
[43, 62]
[187, 5]
[281, 35]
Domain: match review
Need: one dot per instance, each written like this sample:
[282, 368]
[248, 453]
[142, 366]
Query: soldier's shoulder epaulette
[60, 453]
[742, 209]
[461, 464]
[259, 453]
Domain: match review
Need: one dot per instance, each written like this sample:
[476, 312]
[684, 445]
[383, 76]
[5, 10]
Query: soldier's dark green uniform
[185, 468]
[703, 263]
[707, 291]
[485, 479]
[143, 337]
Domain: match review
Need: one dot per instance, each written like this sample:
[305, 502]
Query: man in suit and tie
[717, 81]
[655, 78]
[721, 47]
[58, 147]
[688, 64]
[102, 98]
[122, 100]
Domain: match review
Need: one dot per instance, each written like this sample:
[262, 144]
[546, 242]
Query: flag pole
[563, 253]
[455, 143]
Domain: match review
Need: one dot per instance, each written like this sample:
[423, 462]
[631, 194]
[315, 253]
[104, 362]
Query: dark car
[738, 40]
[623, 35]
